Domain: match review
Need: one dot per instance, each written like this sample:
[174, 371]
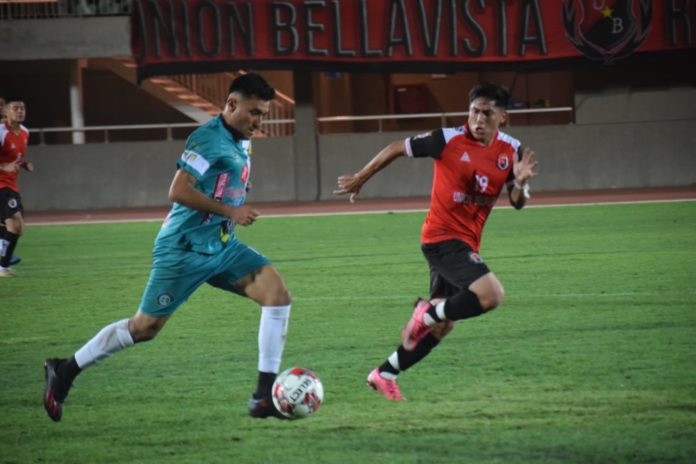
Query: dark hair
[494, 92]
[253, 85]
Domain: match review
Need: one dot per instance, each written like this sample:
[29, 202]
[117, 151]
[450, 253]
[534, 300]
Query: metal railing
[380, 118]
[168, 129]
[214, 88]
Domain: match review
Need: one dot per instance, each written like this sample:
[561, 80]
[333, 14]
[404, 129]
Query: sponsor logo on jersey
[422, 136]
[221, 185]
[244, 176]
[226, 228]
[246, 146]
[481, 200]
[465, 157]
[218, 193]
[196, 161]
[503, 161]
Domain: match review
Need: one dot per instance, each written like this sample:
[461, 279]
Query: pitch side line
[424, 210]
[548, 295]
[349, 213]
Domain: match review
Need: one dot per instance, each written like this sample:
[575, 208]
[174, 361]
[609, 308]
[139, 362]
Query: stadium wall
[56, 38]
[572, 157]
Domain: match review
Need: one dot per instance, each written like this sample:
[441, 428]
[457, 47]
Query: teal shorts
[176, 274]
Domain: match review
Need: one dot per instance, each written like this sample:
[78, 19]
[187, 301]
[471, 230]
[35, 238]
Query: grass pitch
[589, 360]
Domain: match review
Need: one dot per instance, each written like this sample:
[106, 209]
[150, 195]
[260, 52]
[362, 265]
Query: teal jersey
[221, 167]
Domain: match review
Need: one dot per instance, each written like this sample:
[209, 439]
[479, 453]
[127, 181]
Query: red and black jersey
[13, 148]
[467, 180]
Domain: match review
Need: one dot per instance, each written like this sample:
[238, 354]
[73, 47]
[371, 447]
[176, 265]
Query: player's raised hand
[243, 215]
[349, 184]
[526, 167]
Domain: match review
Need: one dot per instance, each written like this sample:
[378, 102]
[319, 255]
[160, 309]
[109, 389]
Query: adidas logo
[465, 158]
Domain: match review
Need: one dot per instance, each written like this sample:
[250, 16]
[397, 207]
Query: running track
[342, 206]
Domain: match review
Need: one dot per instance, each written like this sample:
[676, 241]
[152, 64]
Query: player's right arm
[429, 144]
[353, 183]
[183, 191]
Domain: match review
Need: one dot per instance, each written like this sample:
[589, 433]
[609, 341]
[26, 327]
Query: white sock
[111, 339]
[439, 310]
[393, 359]
[273, 330]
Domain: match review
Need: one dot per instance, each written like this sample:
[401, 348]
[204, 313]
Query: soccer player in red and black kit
[472, 165]
[13, 149]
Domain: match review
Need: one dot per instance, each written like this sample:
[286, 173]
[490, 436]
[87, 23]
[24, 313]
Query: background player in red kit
[472, 164]
[13, 149]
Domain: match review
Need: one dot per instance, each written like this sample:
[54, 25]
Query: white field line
[348, 213]
[409, 298]
[423, 210]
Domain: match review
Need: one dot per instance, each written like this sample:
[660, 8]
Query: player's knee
[281, 296]
[143, 332]
[492, 298]
[144, 335]
[15, 226]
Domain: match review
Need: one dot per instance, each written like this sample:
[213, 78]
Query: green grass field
[591, 358]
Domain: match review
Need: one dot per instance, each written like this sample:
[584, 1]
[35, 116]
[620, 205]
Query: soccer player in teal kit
[197, 245]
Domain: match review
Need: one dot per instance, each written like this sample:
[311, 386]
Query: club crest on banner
[607, 30]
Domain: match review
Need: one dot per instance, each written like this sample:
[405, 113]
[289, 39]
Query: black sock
[69, 369]
[409, 358]
[11, 243]
[387, 367]
[432, 312]
[264, 384]
[463, 305]
[424, 347]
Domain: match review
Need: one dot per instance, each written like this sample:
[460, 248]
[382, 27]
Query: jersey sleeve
[196, 158]
[429, 144]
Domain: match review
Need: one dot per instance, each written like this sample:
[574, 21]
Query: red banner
[180, 36]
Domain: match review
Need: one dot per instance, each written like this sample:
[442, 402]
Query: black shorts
[453, 267]
[10, 203]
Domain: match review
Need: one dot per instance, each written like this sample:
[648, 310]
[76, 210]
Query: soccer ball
[297, 393]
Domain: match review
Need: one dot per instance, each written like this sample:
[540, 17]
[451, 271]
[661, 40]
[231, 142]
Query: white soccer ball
[297, 393]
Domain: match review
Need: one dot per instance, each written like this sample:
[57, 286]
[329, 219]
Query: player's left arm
[523, 170]
[27, 165]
